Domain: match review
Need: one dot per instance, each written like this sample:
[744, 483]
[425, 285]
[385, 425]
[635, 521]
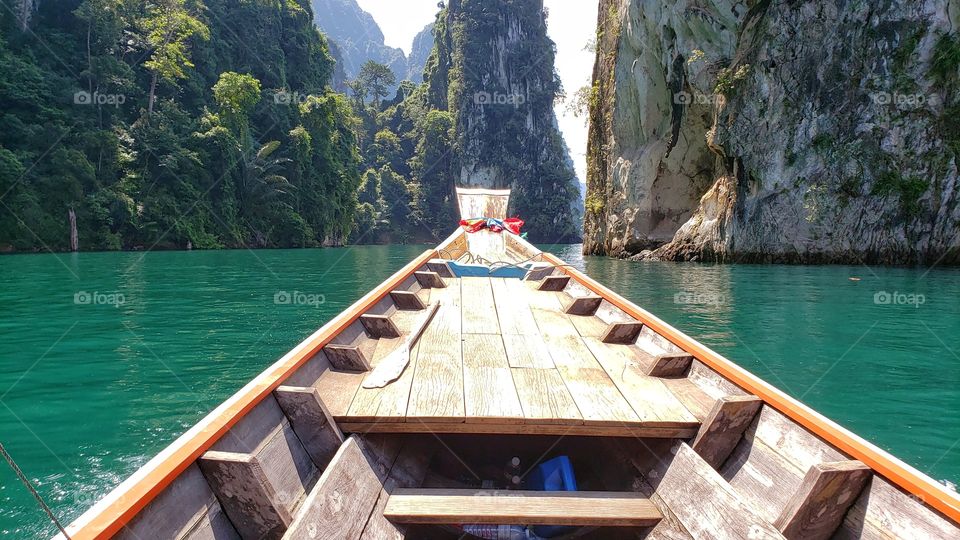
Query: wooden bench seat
[575, 508]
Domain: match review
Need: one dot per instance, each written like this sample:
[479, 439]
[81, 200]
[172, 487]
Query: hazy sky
[571, 25]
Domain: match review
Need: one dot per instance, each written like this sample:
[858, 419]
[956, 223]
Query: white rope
[26, 482]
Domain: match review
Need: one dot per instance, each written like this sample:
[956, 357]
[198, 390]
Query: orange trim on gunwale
[891, 468]
[124, 505]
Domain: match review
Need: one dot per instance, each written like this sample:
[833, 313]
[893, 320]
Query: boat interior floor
[511, 356]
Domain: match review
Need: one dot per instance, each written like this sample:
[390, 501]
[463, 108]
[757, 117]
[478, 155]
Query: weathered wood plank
[693, 398]
[724, 426]
[582, 306]
[527, 351]
[489, 392]
[589, 326]
[544, 397]
[311, 421]
[513, 310]
[440, 267]
[663, 365]
[598, 399]
[340, 503]
[408, 471]
[346, 358]
[553, 283]
[479, 311]
[407, 300]
[706, 506]
[570, 352]
[622, 332]
[387, 404]
[185, 510]
[763, 478]
[337, 388]
[579, 508]
[247, 496]
[612, 429]
[437, 390]
[379, 326]
[650, 399]
[884, 511]
[554, 323]
[827, 492]
[430, 280]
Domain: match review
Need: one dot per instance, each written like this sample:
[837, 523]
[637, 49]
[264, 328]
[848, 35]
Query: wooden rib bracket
[311, 421]
[583, 305]
[341, 502]
[407, 300]
[554, 283]
[430, 280]
[346, 358]
[440, 266]
[539, 271]
[379, 326]
[818, 507]
[245, 494]
[576, 508]
[622, 332]
[670, 365]
[723, 427]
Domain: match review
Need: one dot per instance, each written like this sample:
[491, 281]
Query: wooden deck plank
[387, 404]
[612, 429]
[589, 325]
[570, 352]
[599, 400]
[527, 351]
[437, 390]
[479, 311]
[489, 393]
[580, 508]
[648, 396]
[513, 310]
[337, 389]
[544, 397]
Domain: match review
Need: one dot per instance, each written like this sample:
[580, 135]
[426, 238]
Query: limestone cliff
[493, 68]
[767, 130]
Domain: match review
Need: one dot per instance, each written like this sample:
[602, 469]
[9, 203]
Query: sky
[571, 25]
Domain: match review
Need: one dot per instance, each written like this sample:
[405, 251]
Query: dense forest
[171, 124]
[178, 124]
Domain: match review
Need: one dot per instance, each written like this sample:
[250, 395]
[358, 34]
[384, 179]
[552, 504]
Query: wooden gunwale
[884, 464]
[110, 515]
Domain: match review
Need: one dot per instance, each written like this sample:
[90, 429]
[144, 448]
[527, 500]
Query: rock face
[419, 54]
[493, 69]
[776, 131]
[357, 38]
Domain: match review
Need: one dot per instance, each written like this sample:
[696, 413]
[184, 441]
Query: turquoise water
[107, 357]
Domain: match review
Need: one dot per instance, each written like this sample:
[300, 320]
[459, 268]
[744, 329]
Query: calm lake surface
[107, 357]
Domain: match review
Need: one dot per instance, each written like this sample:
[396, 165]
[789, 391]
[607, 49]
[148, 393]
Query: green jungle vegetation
[172, 124]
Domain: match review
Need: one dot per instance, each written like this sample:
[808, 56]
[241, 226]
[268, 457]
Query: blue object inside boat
[553, 475]
[479, 270]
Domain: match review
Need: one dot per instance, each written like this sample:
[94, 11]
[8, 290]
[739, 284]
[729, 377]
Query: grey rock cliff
[776, 131]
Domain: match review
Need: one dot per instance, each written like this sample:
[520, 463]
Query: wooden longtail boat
[529, 378]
